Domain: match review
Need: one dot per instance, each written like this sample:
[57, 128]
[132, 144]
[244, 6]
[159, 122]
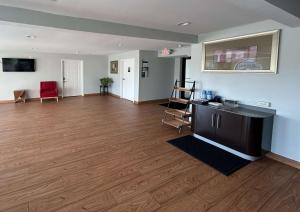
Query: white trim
[82, 77]
[274, 52]
[237, 153]
[62, 78]
[120, 68]
[242, 36]
[81, 73]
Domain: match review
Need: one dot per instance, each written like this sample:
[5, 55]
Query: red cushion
[48, 89]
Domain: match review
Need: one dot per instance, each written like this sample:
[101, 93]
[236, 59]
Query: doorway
[72, 77]
[185, 75]
[128, 79]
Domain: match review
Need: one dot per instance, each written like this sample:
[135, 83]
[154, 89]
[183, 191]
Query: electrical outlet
[263, 104]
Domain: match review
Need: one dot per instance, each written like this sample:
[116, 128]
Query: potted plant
[106, 81]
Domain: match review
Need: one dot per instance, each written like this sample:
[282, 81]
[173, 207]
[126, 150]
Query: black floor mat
[219, 159]
[174, 105]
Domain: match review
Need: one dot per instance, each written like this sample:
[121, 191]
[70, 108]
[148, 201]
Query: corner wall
[116, 86]
[48, 67]
[159, 84]
[282, 90]
[161, 75]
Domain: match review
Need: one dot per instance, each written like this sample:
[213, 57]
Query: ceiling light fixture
[120, 44]
[30, 36]
[183, 23]
[179, 45]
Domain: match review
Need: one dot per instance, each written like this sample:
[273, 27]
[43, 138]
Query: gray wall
[159, 83]
[48, 67]
[282, 90]
[161, 77]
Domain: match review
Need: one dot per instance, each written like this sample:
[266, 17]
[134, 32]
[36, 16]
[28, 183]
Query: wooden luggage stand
[175, 117]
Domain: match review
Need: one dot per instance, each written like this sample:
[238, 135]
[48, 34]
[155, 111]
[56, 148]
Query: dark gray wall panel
[290, 6]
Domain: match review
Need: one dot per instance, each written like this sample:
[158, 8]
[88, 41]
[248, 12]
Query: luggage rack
[175, 117]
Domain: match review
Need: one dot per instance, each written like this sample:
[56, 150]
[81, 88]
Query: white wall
[116, 87]
[282, 90]
[48, 67]
[159, 84]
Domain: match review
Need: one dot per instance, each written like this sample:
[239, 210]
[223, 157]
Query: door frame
[82, 76]
[183, 74]
[122, 75]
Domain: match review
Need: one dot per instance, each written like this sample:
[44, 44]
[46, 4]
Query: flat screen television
[18, 65]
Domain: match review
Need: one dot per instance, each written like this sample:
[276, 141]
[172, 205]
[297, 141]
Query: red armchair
[48, 90]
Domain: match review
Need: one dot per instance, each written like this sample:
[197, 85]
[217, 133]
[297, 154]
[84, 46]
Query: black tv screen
[18, 65]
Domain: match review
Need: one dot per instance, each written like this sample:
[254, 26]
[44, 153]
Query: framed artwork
[114, 67]
[256, 53]
[145, 69]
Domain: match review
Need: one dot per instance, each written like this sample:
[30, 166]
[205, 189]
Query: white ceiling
[13, 37]
[205, 15]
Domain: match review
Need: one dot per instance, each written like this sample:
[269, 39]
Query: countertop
[244, 110]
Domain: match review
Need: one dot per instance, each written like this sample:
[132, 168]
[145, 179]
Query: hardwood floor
[106, 154]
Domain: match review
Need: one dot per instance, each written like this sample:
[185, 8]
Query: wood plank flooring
[107, 154]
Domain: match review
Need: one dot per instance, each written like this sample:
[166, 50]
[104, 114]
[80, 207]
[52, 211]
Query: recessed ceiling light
[184, 23]
[120, 44]
[31, 36]
[179, 45]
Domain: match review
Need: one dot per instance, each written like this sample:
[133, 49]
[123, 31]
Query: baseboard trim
[152, 101]
[27, 100]
[7, 101]
[38, 99]
[13, 101]
[98, 94]
[114, 95]
[284, 160]
[92, 94]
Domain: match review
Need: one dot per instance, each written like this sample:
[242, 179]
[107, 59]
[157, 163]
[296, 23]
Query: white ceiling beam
[32, 17]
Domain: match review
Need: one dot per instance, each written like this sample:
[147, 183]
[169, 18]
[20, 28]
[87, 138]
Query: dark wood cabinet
[205, 122]
[229, 129]
[239, 129]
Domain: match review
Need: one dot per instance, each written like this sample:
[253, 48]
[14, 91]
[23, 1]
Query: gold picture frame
[253, 53]
[114, 68]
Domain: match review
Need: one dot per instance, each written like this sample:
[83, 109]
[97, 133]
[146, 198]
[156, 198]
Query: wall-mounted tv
[18, 65]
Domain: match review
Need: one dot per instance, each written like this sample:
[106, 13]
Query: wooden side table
[103, 90]
[20, 96]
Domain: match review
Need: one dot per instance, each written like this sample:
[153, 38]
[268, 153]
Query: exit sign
[167, 51]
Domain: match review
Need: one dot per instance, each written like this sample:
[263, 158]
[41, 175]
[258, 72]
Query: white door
[72, 77]
[128, 79]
